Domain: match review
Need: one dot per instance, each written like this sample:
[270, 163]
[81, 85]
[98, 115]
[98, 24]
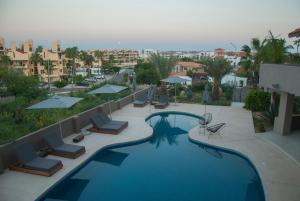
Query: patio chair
[207, 120]
[103, 124]
[215, 129]
[163, 102]
[59, 148]
[30, 162]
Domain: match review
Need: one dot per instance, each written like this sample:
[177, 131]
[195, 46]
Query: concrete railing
[69, 126]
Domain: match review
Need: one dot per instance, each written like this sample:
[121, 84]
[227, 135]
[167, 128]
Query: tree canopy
[217, 68]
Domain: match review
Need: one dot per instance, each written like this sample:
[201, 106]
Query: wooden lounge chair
[30, 162]
[215, 129]
[103, 124]
[59, 148]
[141, 102]
[163, 102]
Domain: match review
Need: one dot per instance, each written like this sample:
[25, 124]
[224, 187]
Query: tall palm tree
[72, 53]
[254, 56]
[297, 43]
[217, 68]
[99, 55]
[49, 68]
[86, 58]
[36, 58]
[162, 64]
[275, 49]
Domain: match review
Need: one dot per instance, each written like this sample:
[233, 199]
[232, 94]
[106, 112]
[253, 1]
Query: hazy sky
[157, 24]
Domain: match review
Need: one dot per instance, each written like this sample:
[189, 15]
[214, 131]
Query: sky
[147, 24]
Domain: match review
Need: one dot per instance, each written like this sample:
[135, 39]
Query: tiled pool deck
[280, 174]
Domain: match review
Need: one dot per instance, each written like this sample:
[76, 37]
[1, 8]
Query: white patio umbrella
[108, 89]
[175, 80]
[56, 102]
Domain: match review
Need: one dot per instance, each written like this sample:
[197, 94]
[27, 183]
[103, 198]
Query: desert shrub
[257, 100]
[227, 91]
[200, 86]
[60, 84]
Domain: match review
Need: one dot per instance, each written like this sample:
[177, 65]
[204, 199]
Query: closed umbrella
[59, 102]
[108, 89]
[205, 97]
[175, 80]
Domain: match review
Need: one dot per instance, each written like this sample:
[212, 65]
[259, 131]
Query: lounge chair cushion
[105, 119]
[164, 99]
[54, 140]
[68, 148]
[139, 102]
[97, 121]
[113, 126]
[42, 164]
[25, 152]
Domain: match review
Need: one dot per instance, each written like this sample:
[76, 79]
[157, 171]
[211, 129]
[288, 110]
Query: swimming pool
[167, 167]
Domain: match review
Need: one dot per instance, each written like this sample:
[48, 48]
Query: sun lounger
[102, 124]
[59, 148]
[30, 162]
[163, 102]
[141, 102]
[215, 129]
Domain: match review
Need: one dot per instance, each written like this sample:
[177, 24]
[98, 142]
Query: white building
[95, 71]
[81, 71]
[233, 80]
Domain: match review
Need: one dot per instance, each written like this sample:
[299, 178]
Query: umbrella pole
[175, 93]
[60, 129]
[109, 108]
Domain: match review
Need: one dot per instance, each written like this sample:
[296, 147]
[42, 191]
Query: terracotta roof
[189, 64]
[237, 54]
[295, 33]
[178, 74]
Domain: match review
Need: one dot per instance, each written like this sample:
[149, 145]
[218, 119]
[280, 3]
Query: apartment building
[21, 60]
[122, 57]
[20, 57]
[54, 57]
[219, 53]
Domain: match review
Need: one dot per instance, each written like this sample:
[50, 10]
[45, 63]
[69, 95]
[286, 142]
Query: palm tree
[49, 68]
[254, 55]
[99, 55]
[86, 58]
[72, 53]
[162, 64]
[297, 43]
[36, 58]
[217, 68]
[275, 49]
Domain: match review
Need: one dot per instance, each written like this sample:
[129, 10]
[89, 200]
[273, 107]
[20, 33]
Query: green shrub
[60, 84]
[200, 86]
[257, 100]
[227, 91]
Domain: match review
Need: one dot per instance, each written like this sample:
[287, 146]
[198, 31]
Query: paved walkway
[280, 174]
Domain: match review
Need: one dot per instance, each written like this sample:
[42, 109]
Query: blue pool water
[167, 167]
